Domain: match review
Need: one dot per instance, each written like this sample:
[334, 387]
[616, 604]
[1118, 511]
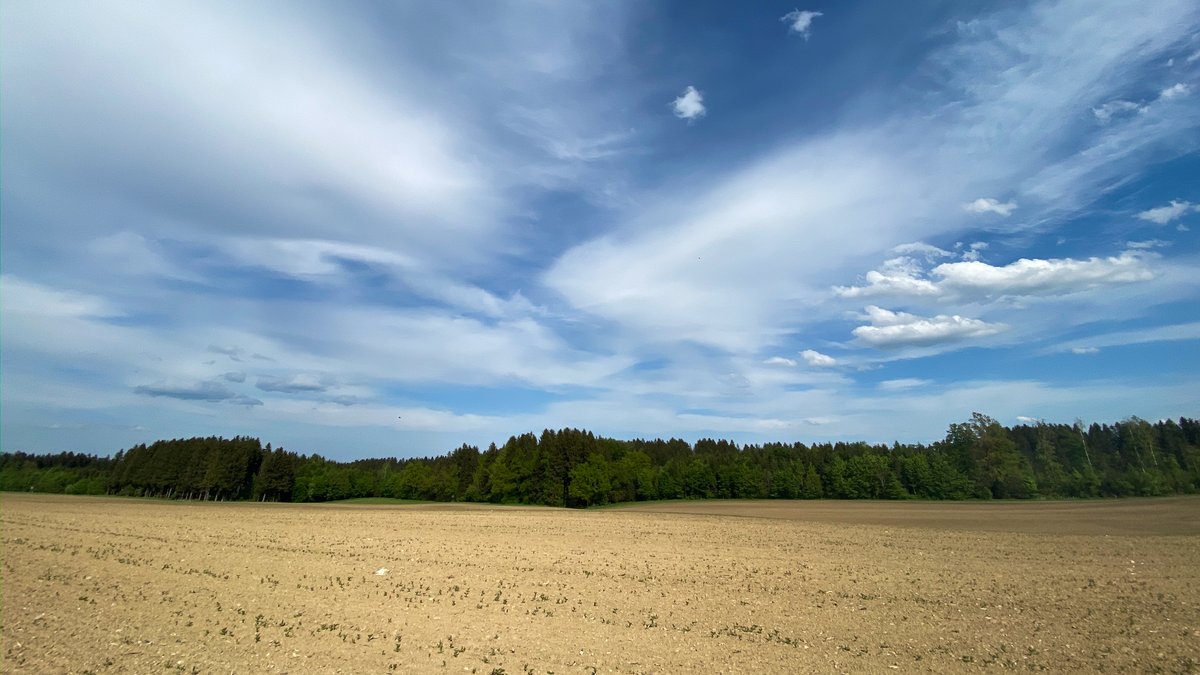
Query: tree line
[978, 459]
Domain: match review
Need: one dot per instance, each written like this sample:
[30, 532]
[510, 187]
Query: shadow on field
[1150, 516]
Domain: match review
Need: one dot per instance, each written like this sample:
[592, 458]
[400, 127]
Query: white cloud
[1025, 419]
[903, 384]
[923, 249]
[1164, 214]
[1147, 244]
[690, 104]
[1175, 91]
[1194, 56]
[1027, 277]
[989, 205]
[780, 361]
[1119, 108]
[1085, 350]
[817, 359]
[974, 279]
[897, 276]
[26, 297]
[891, 330]
[712, 258]
[800, 21]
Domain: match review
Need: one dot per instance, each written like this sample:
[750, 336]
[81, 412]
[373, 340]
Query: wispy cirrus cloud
[428, 223]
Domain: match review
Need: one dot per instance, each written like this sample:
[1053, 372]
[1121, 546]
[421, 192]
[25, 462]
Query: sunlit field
[115, 585]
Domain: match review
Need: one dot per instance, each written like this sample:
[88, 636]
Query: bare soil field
[113, 585]
[1163, 516]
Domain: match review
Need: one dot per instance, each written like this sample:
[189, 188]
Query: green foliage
[977, 459]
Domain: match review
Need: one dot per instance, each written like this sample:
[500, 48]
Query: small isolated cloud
[346, 400]
[972, 252]
[690, 104]
[235, 376]
[1175, 91]
[902, 384]
[1194, 57]
[1119, 108]
[817, 359]
[989, 205]
[213, 392]
[1165, 214]
[800, 21]
[1023, 419]
[780, 361]
[295, 384]
[1183, 228]
[1085, 350]
[892, 330]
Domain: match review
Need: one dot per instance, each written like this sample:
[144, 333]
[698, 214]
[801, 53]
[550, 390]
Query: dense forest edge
[978, 459]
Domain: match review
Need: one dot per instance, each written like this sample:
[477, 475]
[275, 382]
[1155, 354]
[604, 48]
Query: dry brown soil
[114, 585]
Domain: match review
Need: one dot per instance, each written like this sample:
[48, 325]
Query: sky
[376, 229]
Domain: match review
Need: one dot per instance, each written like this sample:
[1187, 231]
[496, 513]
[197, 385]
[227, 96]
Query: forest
[977, 459]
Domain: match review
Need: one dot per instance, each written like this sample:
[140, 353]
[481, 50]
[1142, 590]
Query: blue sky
[384, 229]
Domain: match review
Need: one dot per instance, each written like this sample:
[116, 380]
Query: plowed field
[113, 585]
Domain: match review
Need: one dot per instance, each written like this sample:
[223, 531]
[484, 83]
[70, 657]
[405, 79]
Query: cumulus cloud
[690, 104]
[1042, 276]
[989, 205]
[897, 276]
[295, 384]
[1119, 108]
[892, 330]
[212, 392]
[1025, 419]
[1175, 91]
[780, 361]
[1164, 214]
[974, 279]
[800, 21]
[817, 359]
